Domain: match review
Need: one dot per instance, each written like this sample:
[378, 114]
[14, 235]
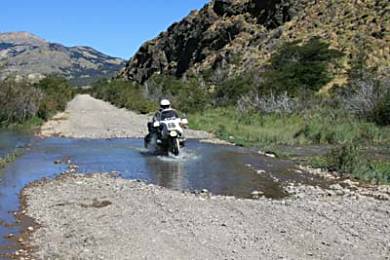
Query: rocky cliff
[25, 54]
[229, 37]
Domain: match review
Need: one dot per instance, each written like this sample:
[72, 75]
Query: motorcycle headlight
[173, 134]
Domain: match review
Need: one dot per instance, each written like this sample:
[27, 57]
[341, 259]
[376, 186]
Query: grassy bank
[10, 157]
[291, 129]
[349, 135]
[353, 160]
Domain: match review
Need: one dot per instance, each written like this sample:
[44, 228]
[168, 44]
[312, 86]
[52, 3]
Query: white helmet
[164, 103]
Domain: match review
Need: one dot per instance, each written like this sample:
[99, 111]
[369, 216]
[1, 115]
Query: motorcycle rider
[165, 112]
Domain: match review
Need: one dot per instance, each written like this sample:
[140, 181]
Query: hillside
[25, 54]
[228, 37]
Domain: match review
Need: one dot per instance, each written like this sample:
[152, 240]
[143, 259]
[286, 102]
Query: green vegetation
[10, 157]
[124, 95]
[187, 96]
[27, 105]
[252, 129]
[350, 160]
[56, 94]
[297, 68]
[381, 111]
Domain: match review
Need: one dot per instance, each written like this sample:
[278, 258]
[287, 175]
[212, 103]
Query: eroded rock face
[202, 36]
[234, 36]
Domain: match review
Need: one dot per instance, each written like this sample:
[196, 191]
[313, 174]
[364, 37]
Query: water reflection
[167, 173]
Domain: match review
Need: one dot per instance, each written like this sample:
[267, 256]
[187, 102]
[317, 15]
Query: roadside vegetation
[10, 157]
[27, 105]
[123, 94]
[282, 105]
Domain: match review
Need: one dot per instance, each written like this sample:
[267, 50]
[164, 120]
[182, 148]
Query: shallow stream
[221, 169]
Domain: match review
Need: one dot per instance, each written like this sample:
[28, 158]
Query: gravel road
[101, 217]
[87, 117]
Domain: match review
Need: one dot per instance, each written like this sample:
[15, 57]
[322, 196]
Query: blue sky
[116, 27]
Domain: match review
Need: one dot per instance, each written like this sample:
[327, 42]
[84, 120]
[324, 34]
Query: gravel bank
[87, 117]
[101, 217]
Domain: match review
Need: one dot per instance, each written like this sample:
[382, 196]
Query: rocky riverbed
[103, 217]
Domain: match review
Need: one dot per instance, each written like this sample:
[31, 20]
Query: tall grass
[349, 160]
[10, 157]
[291, 129]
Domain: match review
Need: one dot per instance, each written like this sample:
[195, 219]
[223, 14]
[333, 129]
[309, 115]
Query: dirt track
[87, 117]
[100, 217]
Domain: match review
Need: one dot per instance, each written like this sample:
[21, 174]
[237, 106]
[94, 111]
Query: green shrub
[349, 160]
[25, 104]
[187, 96]
[346, 159]
[381, 112]
[57, 93]
[10, 157]
[231, 90]
[301, 67]
[19, 101]
[123, 94]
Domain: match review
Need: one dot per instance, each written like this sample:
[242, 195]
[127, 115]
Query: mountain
[25, 54]
[230, 37]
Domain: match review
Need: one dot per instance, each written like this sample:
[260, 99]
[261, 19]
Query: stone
[336, 187]
[256, 194]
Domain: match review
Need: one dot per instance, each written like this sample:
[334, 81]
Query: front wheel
[175, 146]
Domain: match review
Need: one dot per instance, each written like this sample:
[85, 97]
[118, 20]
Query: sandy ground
[87, 117]
[101, 217]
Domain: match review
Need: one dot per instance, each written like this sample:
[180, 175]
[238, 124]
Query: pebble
[30, 229]
[261, 171]
[256, 194]
[335, 187]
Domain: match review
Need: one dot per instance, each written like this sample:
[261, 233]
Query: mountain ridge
[230, 37]
[24, 54]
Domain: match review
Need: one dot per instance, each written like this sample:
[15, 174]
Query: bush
[230, 91]
[350, 160]
[22, 102]
[280, 104]
[187, 96]
[57, 91]
[368, 97]
[299, 68]
[346, 159]
[381, 111]
[123, 94]
[19, 101]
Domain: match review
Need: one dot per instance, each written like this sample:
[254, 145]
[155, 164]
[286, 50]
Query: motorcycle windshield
[168, 115]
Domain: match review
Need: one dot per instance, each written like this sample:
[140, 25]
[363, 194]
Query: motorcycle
[166, 136]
